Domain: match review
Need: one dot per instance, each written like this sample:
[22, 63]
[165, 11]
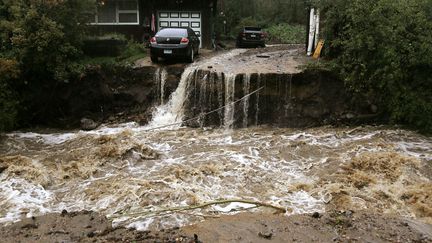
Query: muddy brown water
[127, 169]
[133, 174]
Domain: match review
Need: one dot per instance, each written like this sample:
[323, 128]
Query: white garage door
[190, 19]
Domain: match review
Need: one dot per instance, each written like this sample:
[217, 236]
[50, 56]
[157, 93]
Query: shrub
[8, 99]
[40, 43]
[384, 48]
[286, 33]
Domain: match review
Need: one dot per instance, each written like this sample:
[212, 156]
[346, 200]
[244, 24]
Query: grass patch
[133, 52]
[286, 34]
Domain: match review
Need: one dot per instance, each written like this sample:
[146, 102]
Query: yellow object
[318, 49]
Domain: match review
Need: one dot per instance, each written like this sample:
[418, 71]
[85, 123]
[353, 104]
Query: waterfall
[173, 111]
[246, 90]
[229, 99]
[160, 77]
[257, 101]
[163, 78]
[203, 102]
[220, 97]
[288, 97]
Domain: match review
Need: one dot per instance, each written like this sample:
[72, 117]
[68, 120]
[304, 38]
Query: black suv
[174, 43]
[251, 37]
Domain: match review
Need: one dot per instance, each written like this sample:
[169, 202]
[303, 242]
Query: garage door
[190, 19]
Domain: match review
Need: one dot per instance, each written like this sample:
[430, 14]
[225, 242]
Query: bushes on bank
[286, 33]
[8, 100]
[384, 48]
[40, 43]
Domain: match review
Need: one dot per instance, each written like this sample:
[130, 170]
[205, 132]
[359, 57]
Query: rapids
[127, 168]
[121, 169]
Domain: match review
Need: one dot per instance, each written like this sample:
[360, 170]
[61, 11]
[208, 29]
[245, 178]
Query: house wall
[142, 31]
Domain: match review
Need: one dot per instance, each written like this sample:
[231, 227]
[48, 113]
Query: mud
[345, 226]
[105, 94]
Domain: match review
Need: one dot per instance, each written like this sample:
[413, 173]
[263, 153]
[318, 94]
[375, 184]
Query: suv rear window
[252, 29]
[169, 32]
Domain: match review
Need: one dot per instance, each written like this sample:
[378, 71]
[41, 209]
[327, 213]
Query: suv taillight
[153, 40]
[184, 40]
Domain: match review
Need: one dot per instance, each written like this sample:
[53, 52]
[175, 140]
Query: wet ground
[346, 226]
[272, 59]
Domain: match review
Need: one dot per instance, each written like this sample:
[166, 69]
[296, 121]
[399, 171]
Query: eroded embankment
[239, 88]
[107, 94]
[301, 99]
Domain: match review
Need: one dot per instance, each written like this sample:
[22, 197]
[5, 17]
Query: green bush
[133, 52]
[8, 101]
[286, 33]
[384, 48]
[43, 39]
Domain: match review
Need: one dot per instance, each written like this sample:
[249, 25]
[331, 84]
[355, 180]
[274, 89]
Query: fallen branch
[193, 207]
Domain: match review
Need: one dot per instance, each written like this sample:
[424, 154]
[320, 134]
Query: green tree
[8, 101]
[43, 39]
[383, 48]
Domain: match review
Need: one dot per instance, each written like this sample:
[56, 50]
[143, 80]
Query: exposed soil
[345, 226]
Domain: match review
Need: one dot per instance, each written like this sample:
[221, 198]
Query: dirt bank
[105, 94]
[332, 227]
[290, 96]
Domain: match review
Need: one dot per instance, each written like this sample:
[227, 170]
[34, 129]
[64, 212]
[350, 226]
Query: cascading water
[202, 101]
[160, 79]
[172, 112]
[257, 103]
[288, 96]
[229, 100]
[246, 91]
[220, 97]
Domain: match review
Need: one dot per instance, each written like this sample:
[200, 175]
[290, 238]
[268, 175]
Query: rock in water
[88, 124]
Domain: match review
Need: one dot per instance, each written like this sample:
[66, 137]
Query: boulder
[88, 124]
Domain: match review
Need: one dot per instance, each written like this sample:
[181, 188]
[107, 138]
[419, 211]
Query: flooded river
[126, 168]
[129, 172]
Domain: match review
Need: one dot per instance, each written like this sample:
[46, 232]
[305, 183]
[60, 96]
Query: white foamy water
[173, 111]
[229, 100]
[246, 90]
[105, 170]
[160, 77]
[171, 114]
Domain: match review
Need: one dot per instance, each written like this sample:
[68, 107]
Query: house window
[117, 12]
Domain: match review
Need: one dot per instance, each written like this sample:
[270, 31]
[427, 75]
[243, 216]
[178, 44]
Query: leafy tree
[43, 39]
[383, 48]
[8, 101]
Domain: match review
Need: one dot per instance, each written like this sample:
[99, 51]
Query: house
[139, 19]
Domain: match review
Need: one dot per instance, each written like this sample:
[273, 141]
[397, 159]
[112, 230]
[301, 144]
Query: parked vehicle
[251, 37]
[174, 43]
